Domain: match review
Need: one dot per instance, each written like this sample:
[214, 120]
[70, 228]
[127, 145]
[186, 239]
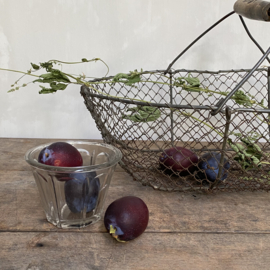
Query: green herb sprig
[54, 79]
[142, 114]
[128, 79]
[247, 153]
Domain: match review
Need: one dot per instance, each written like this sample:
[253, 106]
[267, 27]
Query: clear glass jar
[73, 197]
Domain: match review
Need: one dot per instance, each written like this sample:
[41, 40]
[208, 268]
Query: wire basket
[224, 120]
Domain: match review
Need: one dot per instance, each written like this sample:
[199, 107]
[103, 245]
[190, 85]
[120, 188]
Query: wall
[127, 35]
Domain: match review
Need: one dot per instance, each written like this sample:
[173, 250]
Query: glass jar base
[67, 224]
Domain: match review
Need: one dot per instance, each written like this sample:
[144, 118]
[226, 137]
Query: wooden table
[185, 231]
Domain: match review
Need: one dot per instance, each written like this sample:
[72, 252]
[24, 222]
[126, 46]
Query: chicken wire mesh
[186, 130]
[185, 120]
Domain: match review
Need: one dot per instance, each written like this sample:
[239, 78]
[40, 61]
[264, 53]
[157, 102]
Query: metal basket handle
[198, 38]
[253, 9]
[223, 101]
[256, 10]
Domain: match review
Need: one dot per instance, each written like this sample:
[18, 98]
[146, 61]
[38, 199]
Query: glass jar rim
[86, 168]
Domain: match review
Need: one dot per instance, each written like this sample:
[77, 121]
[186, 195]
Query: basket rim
[172, 72]
[86, 92]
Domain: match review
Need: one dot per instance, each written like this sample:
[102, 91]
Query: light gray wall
[127, 35]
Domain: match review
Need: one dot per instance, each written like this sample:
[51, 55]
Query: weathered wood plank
[185, 230]
[20, 203]
[21, 210]
[69, 250]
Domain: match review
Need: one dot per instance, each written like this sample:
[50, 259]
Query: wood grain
[169, 212]
[185, 230]
[151, 251]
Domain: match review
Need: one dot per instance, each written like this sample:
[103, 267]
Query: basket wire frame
[202, 122]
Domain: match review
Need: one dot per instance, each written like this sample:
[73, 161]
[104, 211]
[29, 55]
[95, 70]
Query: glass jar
[73, 197]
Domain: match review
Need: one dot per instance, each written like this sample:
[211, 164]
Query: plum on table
[209, 167]
[178, 159]
[126, 218]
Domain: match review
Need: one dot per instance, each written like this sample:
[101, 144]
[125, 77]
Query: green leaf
[248, 154]
[242, 99]
[128, 79]
[47, 65]
[34, 66]
[179, 82]
[60, 75]
[58, 86]
[253, 149]
[142, 114]
[46, 90]
[194, 82]
[237, 147]
[54, 76]
[189, 83]
[262, 102]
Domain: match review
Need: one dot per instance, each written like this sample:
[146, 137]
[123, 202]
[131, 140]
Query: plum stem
[112, 229]
[115, 236]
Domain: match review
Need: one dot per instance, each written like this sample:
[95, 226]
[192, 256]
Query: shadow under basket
[226, 113]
